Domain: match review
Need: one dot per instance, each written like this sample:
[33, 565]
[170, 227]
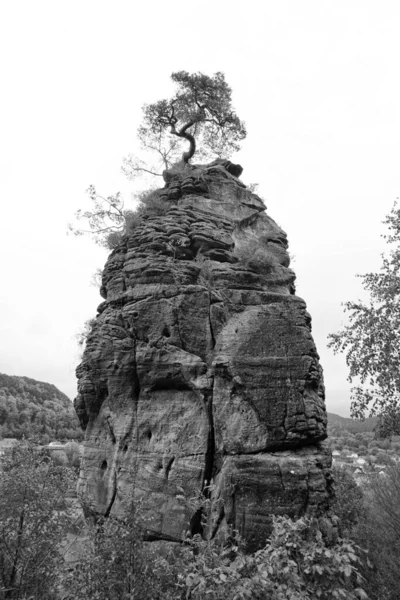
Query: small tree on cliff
[108, 220]
[200, 113]
[200, 110]
[105, 221]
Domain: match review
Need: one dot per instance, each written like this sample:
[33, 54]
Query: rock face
[201, 366]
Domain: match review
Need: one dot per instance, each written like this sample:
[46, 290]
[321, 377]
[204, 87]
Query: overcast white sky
[317, 83]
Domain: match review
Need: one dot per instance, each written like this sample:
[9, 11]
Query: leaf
[318, 569]
[348, 570]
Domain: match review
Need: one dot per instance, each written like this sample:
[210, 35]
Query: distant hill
[36, 410]
[351, 425]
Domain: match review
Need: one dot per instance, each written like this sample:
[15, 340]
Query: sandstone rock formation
[201, 366]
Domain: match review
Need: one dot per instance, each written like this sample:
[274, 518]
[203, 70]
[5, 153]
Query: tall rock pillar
[201, 366]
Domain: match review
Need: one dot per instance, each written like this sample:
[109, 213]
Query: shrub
[296, 563]
[256, 257]
[117, 564]
[59, 458]
[384, 444]
[113, 239]
[72, 451]
[150, 204]
[379, 533]
[108, 220]
[206, 272]
[33, 523]
[371, 516]
[132, 220]
[349, 500]
[83, 335]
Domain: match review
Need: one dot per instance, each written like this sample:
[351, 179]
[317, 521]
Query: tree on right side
[371, 340]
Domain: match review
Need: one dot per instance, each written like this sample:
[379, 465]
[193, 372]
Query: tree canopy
[202, 110]
[34, 522]
[35, 410]
[106, 220]
[371, 339]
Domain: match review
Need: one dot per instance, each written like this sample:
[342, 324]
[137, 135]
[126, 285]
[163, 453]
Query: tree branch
[147, 171]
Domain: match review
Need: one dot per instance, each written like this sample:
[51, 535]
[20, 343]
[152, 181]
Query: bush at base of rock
[34, 521]
[296, 563]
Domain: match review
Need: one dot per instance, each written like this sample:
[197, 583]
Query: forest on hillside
[36, 411]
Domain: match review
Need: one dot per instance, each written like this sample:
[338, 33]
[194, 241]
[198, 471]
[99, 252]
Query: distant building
[6, 444]
[380, 468]
[54, 446]
[352, 455]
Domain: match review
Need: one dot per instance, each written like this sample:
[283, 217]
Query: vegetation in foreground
[298, 562]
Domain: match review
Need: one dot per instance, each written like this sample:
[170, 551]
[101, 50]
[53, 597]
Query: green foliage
[105, 221]
[200, 109]
[255, 256]
[72, 452]
[301, 561]
[206, 276]
[349, 501]
[116, 564]
[380, 533]
[370, 515]
[82, 336]
[150, 203]
[161, 152]
[388, 424]
[33, 523]
[371, 340]
[295, 564]
[108, 221]
[36, 410]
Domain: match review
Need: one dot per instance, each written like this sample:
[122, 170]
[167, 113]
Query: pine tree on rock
[201, 110]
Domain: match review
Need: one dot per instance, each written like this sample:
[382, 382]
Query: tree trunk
[183, 133]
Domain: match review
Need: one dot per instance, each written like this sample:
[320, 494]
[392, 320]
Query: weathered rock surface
[202, 366]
